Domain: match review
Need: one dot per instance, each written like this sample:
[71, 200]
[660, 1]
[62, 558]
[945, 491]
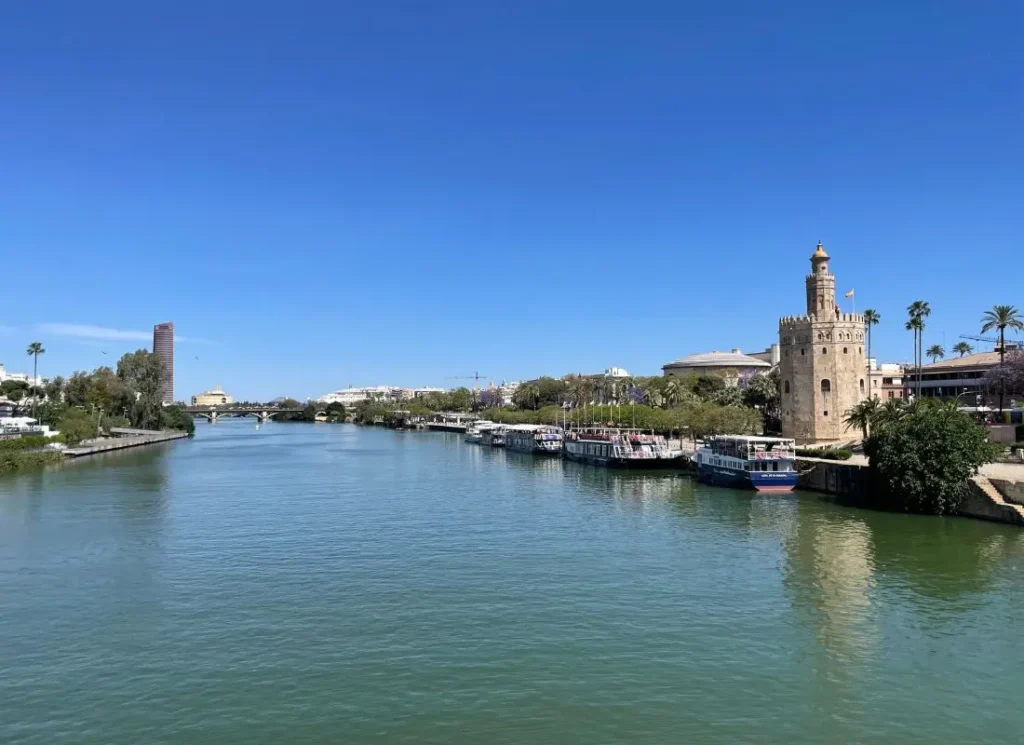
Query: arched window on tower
[787, 387]
[824, 350]
[862, 385]
[826, 385]
[821, 303]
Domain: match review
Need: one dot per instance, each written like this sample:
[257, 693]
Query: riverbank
[123, 439]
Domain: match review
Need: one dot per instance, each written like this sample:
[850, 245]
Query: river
[327, 583]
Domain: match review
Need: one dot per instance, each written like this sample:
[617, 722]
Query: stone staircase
[987, 503]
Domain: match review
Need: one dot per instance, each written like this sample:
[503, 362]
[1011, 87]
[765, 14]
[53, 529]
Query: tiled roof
[982, 359]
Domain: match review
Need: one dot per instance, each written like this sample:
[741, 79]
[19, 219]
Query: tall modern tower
[163, 347]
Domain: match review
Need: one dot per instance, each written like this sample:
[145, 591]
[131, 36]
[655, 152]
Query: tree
[34, 350]
[54, 388]
[1002, 317]
[892, 410]
[527, 395]
[76, 425]
[762, 392]
[962, 348]
[871, 318]
[860, 416]
[922, 461]
[936, 352]
[491, 398]
[708, 386]
[729, 396]
[175, 417]
[918, 311]
[1009, 376]
[142, 371]
[76, 390]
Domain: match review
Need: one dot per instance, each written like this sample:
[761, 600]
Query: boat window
[775, 465]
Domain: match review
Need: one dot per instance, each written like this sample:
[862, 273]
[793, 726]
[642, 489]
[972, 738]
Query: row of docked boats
[745, 461]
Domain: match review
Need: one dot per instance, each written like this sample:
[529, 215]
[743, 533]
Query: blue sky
[325, 193]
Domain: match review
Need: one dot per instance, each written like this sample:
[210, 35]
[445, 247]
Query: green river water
[332, 584]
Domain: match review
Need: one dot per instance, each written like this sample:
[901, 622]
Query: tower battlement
[806, 320]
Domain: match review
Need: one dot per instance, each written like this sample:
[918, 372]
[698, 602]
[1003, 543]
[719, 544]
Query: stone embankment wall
[845, 480]
[989, 499]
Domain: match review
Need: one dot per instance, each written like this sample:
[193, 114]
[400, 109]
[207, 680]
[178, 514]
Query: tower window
[787, 386]
[820, 337]
[844, 350]
[862, 385]
[826, 412]
[801, 351]
[824, 350]
[826, 385]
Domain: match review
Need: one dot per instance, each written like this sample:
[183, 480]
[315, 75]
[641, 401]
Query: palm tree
[914, 324]
[962, 348]
[919, 310]
[871, 318]
[671, 391]
[892, 410]
[860, 416]
[936, 352]
[34, 350]
[1002, 317]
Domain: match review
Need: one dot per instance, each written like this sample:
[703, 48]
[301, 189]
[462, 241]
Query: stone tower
[822, 371]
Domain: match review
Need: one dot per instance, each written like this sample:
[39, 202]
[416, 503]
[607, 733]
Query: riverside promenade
[123, 438]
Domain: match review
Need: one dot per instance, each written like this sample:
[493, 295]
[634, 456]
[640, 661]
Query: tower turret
[821, 285]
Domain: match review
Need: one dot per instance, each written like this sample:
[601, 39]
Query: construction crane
[989, 339]
[474, 377]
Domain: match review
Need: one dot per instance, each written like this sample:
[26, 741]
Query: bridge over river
[263, 413]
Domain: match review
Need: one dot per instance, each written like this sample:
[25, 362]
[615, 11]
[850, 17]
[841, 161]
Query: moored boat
[746, 461]
[493, 436]
[475, 431]
[534, 438]
[619, 448]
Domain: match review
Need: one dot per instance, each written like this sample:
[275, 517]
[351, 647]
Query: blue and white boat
[745, 461]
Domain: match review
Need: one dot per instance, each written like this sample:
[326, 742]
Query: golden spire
[819, 252]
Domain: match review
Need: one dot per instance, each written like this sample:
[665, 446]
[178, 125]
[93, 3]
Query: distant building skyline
[163, 347]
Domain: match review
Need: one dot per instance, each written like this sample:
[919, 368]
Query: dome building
[216, 397]
[732, 366]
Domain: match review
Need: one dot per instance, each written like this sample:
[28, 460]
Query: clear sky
[325, 193]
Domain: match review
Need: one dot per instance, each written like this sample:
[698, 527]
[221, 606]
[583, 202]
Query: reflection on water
[297, 581]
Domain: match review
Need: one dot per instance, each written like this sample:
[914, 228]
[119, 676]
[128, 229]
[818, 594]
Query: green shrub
[25, 443]
[76, 425]
[921, 462]
[14, 460]
[175, 417]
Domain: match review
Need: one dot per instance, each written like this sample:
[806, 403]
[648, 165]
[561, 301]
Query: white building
[350, 396]
[23, 377]
[616, 372]
[421, 392]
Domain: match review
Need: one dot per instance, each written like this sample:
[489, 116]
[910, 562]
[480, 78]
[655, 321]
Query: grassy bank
[27, 452]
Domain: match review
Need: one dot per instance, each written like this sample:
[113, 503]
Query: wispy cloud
[102, 333]
[7, 329]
